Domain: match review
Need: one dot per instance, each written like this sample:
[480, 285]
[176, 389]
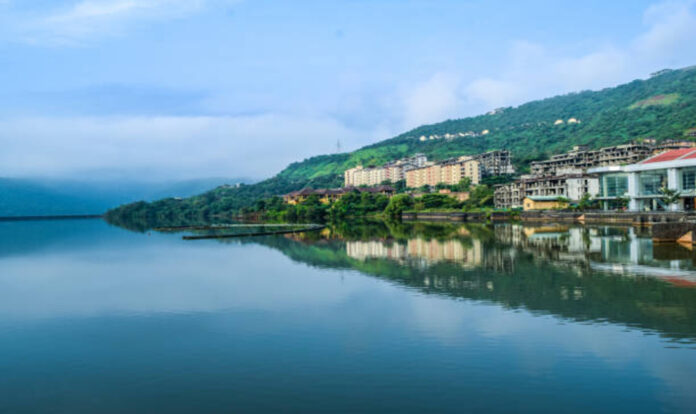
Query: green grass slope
[660, 107]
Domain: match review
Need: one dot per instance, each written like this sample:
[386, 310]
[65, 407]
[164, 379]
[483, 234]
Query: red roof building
[673, 155]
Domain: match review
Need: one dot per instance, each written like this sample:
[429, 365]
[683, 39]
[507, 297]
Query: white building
[641, 183]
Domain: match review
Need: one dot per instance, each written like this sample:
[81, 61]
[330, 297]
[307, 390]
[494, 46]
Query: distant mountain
[29, 197]
[661, 107]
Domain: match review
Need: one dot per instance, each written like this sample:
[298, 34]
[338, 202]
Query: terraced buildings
[448, 172]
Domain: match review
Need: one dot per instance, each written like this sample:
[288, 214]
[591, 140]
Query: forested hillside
[661, 107]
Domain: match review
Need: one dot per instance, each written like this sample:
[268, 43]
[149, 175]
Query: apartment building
[570, 186]
[360, 176]
[393, 171]
[582, 158]
[497, 162]
[448, 172]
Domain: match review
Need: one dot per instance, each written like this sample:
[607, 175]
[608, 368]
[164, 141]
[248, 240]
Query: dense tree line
[173, 212]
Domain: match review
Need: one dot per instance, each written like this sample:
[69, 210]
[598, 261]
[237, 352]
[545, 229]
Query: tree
[586, 202]
[481, 196]
[623, 202]
[399, 186]
[398, 204]
[669, 196]
[437, 201]
[463, 185]
[563, 201]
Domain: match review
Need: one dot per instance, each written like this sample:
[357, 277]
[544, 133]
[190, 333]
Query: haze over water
[368, 318]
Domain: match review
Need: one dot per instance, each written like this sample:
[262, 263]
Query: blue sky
[196, 88]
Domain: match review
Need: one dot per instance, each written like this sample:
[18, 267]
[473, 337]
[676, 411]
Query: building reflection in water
[603, 274]
[426, 251]
[632, 255]
[619, 250]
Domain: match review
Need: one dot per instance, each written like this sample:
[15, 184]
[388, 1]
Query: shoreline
[639, 219]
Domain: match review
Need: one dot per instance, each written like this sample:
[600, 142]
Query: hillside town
[631, 176]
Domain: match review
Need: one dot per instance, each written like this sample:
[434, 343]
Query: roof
[671, 155]
[340, 191]
[377, 189]
[544, 198]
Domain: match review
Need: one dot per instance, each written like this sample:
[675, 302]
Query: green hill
[661, 107]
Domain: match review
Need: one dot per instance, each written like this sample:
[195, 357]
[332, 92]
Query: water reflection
[596, 274]
[354, 319]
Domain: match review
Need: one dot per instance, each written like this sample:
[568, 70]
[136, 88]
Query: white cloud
[533, 71]
[432, 101]
[672, 29]
[494, 93]
[249, 146]
[591, 71]
[82, 21]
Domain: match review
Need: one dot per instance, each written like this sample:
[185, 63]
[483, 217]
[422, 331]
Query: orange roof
[672, 155]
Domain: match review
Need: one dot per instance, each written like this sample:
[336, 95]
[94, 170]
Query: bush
[398, 204]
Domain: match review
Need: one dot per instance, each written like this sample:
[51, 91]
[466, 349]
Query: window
[689, 179]
[613, 185]
[650, 183]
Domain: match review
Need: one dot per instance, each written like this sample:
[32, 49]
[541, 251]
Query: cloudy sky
[198, 88]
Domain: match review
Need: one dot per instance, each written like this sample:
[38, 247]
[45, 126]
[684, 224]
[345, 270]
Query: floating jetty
[221, 226]
[315, 227]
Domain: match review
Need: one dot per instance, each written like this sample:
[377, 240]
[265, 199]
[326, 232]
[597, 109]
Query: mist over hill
[38, 197]
[661, 107]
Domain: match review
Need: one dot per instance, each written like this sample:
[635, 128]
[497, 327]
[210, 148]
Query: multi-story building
[570, 186]
[671, 144]
[448, 172]
[508, 195]
[495, 163]
[642, 184]
[359, 176]
[393, 171]
[582, 158]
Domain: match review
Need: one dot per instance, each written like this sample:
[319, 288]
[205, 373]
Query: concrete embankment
[598, 217]
[684, 232]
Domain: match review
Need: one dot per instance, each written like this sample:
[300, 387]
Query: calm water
[374, 318]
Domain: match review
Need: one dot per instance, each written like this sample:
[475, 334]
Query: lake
[368, 317]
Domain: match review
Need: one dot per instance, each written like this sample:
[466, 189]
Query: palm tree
[669, 196]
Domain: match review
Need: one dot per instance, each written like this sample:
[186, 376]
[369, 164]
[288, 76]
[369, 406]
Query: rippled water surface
[358, 318]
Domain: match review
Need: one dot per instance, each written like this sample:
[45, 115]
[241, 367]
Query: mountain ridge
[531, 131]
